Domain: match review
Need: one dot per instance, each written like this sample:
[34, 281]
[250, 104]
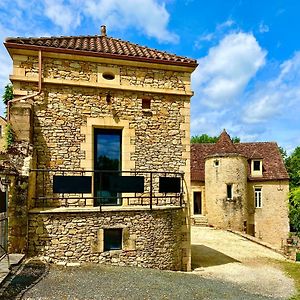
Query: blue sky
[248, 79]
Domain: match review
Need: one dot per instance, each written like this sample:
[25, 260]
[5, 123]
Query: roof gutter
[24, 98]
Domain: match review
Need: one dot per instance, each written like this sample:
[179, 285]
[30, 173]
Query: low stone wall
[151, 239]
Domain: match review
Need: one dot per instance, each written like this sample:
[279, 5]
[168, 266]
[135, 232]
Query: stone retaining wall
[151, 239]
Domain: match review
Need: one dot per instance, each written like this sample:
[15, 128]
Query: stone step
[200, 221]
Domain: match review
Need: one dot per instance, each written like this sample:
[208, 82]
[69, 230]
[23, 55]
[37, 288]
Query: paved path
[14, 259]
[230, 258]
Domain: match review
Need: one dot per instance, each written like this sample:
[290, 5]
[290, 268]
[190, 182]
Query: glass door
[107, 157]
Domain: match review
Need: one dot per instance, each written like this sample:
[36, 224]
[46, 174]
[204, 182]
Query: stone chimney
[103, 30]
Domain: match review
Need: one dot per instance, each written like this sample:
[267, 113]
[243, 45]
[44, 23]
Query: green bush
[9, 136]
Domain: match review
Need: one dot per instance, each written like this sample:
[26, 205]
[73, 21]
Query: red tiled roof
[273, 166]
[224, 144]
[99, 46]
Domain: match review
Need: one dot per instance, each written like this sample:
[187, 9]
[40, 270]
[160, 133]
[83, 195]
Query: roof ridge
[255, 143]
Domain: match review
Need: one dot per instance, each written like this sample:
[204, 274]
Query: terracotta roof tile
[224, 144]
[273, 166]
[99, 46]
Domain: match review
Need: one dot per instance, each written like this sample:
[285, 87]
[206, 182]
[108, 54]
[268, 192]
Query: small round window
[216, 163]
[108, 76]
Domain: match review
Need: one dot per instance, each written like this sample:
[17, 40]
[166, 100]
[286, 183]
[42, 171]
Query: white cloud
[150, 17]
[263, 28]
[277, 97]
[223, 74]
[225, 24]
[63, 15]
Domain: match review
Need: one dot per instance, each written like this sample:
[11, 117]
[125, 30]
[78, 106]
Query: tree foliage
[283, 153]
[8, 93]
[294, 209]
[9, 136]
[292, 164]
[205, 138]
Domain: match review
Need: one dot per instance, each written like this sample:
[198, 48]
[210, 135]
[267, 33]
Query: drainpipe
[28, 96]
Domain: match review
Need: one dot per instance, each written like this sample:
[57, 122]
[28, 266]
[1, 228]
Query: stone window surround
[107, 123]
[216, 163]
[115, 71]
[257, 190]
[256, 172]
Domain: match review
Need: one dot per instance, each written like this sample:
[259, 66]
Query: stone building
[2, 134]
[102, 127]
[241, 186]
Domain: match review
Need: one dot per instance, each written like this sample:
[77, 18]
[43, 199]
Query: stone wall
[65, 114]
[221, 211]
[2, 134]
[271, 222]
[75, 99]
[151, 239]
[76, 70]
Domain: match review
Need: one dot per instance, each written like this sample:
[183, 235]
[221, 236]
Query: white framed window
[258, 197]
[256, 167]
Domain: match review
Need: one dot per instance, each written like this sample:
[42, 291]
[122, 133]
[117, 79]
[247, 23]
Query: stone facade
[222, 211]
[224, 175]
[271, 221]
[72, 95]
[2, 134]
[150, 238]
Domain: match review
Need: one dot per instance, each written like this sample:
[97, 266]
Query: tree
[294, 209]
[283, 153]
[292, 164]
[8, 93]
[7, 96]
[205, 138]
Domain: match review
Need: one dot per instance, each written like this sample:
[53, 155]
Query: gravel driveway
[108, 282]
[230, 258]
[226, 267]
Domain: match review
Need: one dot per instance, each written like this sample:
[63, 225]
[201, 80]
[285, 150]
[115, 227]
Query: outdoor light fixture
[5, 181]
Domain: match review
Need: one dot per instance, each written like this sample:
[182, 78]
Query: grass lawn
[293, 269]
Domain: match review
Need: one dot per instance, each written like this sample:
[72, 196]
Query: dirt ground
[230, 258]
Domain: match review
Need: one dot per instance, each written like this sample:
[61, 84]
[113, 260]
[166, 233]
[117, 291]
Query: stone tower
[226, 185]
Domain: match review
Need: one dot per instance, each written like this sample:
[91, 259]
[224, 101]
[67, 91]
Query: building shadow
[203, 256]
[21, 279]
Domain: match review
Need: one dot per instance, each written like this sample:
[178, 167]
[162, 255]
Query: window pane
[257, 197]
[107, 156]
[229, 191]
[256, 165]
[112, 239]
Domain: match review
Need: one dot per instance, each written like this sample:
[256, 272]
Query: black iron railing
[62, 187]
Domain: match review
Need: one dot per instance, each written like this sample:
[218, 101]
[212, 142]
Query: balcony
[57, 188]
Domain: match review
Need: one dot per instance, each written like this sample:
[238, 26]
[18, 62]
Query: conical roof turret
[224, 145]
